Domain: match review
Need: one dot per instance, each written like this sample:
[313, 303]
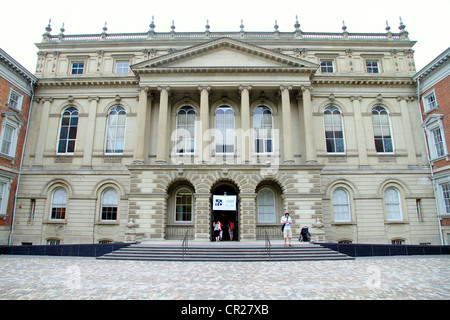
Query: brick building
[433, 87]
[16, 92]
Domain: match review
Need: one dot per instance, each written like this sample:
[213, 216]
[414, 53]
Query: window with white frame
[372, 66]
[183, 205]
[77, 67]
[436, 136]
[327, 66]
[224, 133]
[9, 135]
[186, 130]
[5, 185]
[445, 191]
[110, 203]
[266, 206]
[262, 125]
[115, 131]
[15, 99]
[59, 199]
[341, 205]
[122, 67]
[392, 204]
[382, 130]
[429, 101]
[334, 135]
[68, 130]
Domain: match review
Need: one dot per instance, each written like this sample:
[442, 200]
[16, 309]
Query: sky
[426, 21]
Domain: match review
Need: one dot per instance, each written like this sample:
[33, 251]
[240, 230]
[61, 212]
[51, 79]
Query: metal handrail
[185, 243]
[267, 243]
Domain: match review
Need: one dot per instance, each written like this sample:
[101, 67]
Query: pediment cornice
[274, 61]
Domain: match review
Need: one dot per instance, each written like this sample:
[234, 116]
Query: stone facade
[284, 121]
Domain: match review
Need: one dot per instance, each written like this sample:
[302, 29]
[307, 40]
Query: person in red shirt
[231, 229]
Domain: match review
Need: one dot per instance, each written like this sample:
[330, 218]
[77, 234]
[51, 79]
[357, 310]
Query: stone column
[41, 141]
[247, 216]
[203, 134]
[142, 124]
[310, 146]
[359, 130]
[162, 141]
[245, 122]
[407, 131]
[90, 131]
[202, 216]
[287, 126]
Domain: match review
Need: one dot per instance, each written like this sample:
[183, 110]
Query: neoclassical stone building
[140, 136]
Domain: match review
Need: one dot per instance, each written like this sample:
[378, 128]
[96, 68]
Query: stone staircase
[225, 252]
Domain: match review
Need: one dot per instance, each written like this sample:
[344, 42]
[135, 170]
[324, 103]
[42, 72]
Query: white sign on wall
[224, 203]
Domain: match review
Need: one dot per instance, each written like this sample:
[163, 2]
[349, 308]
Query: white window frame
[68, 132]
[112, 204]
[346, 204]
[398, 203]
[58, 205]
[111, 138]
[381, 126]
[326, 66]
[122, 67]
[15, 103]
[182, 131]
[219, 141]
[11, 121]
[374, 64]
[5, 186]
[183, 189]
[271, 218]
[432, 123]
[425, 101]
[263, 129]
[73, 68]
[331, 109]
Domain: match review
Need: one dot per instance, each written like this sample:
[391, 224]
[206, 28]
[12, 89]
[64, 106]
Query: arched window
[110, 203]
[59, 199]
[115, 131]
[392, 204]
[382, 130]
[341, 205]
[186, 130]
[224, 134]
[183, 205]
[262, 124]
[266, 206]
[68, 130]
[334, 135]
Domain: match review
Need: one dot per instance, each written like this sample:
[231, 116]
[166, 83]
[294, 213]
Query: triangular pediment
[223, 54]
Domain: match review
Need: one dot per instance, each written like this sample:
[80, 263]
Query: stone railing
[177, 232]
[215, 35]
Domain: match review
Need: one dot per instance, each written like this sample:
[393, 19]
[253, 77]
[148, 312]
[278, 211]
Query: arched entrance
[225, 208]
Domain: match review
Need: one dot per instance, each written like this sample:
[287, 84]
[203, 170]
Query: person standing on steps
[286, 221]
[217, 229]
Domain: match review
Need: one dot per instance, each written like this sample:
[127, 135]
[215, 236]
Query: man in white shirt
[286, 221]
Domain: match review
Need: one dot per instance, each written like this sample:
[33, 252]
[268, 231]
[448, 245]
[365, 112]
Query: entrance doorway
[227, 193]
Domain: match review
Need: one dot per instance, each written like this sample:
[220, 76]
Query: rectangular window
[3, 200]
[372, 67]
[438, 143]
[77, 67]
[445, 187]
[429, 102]
[15, 99]
[326, 66]
[122, 67]
[7, 140]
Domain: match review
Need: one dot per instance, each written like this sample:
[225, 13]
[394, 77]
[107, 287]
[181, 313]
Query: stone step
[306, 252]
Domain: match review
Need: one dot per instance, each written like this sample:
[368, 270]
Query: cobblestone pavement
[67, 278]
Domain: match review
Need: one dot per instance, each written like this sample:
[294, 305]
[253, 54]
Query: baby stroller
[304, 235]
